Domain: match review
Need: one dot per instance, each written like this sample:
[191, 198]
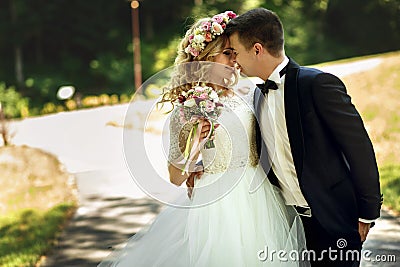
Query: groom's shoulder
[303, 70]
[317, 75]
[308, 71]
[307, 75]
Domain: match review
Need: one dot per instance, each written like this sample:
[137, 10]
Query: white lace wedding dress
[237, 217]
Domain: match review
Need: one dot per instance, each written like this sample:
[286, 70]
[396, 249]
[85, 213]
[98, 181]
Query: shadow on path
[99, 226]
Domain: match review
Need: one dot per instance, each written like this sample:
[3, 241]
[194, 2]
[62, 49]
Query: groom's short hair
[258, 25]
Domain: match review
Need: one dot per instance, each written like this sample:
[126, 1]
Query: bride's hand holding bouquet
[201, 107]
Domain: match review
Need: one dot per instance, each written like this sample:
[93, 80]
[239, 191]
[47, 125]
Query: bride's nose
[233, 58]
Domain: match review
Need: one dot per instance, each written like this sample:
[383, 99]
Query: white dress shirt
[278, 145]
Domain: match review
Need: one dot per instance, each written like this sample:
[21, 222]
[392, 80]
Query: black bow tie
[265, 87]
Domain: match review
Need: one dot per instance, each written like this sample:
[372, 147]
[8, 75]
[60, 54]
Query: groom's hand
[363, 229]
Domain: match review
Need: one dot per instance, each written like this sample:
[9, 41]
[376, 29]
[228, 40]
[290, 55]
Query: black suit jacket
[332, 153]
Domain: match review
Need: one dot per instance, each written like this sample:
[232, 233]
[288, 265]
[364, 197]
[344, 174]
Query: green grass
[370, 112]
[36, 201]
[390, 184]
[375, 93]
[28, 234]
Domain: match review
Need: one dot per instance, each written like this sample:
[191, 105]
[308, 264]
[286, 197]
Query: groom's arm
[334, 106]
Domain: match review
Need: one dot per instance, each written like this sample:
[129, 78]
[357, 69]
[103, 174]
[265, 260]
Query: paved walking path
[112, 207]
[102, 222]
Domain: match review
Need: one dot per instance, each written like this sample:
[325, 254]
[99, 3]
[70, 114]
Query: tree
[364, 26]
[18, 63]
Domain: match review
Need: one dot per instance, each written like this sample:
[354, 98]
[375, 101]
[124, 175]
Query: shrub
[13, 103]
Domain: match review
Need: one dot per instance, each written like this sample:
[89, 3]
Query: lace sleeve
[245, 89]
[249, 98]
[178, 135]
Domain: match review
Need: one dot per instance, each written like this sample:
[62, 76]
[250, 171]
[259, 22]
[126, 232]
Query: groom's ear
[258, 48]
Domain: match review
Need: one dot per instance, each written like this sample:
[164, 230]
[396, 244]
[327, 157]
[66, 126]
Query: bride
[233, 215]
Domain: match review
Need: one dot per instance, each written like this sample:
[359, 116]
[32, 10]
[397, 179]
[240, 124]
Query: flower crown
[207, 31]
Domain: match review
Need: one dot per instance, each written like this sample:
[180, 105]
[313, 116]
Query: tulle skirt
[241, 228]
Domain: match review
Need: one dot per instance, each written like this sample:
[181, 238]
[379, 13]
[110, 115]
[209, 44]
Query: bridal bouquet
[196, 105]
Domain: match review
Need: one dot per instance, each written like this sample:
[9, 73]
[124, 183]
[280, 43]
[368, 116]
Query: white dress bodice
[235, 144]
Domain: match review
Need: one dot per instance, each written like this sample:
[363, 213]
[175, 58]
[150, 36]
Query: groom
[321, 155]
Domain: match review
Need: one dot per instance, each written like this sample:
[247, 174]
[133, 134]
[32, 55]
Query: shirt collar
[275, 73]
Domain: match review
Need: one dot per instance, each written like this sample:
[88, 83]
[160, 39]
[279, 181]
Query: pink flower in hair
[218, 18]
[208, 37]
[191, 38]
[206, 25]
[230, 14]
[194, 52]
[207, 32]
[191, 50]
[217, 28]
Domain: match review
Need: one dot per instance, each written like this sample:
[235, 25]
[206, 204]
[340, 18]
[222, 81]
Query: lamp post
[137, 66]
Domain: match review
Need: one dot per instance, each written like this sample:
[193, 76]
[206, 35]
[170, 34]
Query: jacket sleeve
[337, 112]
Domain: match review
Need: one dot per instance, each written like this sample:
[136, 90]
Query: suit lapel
[292, 113]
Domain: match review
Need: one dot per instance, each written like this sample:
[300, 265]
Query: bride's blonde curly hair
[186, 76]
